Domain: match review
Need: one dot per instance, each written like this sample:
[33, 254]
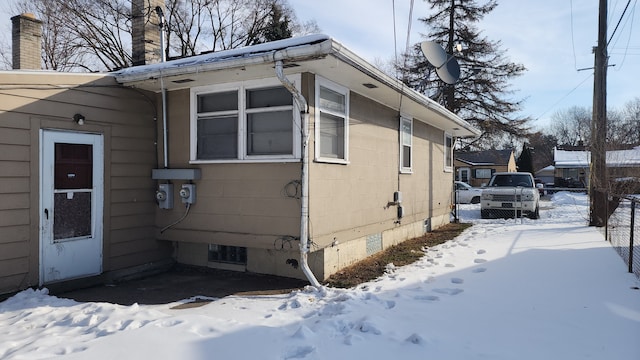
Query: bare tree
[95, 35]
[572, 126]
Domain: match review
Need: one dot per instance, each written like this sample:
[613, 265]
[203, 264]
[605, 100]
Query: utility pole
[598, 174]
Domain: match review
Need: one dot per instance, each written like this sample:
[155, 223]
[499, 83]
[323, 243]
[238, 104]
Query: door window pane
[73, 166]
[72, 215]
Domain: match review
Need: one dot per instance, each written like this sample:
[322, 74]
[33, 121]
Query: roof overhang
[317, 54]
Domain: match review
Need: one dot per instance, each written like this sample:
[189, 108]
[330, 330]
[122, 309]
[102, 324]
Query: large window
[406, 136]
[244, 121]
[332, 122]
[448, 152]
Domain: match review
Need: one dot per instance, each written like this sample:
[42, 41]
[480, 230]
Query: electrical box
[188, 193]
[164, 196]
[397, 197]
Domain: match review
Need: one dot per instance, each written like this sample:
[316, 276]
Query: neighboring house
[572, 167]
[86, 192]
[475, 167]
[546, 174]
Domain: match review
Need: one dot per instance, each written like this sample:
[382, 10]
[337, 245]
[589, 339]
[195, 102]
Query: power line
[619, 20]
[565, 96]
[573, 44]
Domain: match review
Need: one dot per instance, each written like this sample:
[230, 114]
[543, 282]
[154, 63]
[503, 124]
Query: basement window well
[228, 254]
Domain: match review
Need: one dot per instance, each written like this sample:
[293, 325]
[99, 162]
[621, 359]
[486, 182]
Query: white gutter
[304, 207]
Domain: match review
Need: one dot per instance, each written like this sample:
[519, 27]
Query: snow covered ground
[504, 289]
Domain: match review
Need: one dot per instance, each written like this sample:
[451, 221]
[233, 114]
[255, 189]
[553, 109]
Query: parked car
[466, 194]
[510, 195]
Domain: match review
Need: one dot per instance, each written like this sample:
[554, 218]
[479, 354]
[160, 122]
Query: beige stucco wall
[31, 101]
[244, 204]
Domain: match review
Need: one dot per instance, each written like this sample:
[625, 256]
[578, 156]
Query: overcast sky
[552, 38]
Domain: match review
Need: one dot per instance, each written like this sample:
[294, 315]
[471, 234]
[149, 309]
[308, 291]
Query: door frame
[50, 137]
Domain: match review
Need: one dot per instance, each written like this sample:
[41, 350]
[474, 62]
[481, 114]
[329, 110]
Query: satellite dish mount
[446, 65]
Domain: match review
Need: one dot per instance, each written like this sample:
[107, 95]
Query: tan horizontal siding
[14, 217]
[12, 283]
[139, 233]
[13, 250]
[11, 234]
[14, 152]
[14, 168]
[130, 209]
[127, 183]
[132, 222]
[132, 195]
[14, 266]
[10, 185]
[133, 157]
[15, 136]
[14, 201]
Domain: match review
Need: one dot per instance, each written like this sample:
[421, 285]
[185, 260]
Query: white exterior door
[71, 198]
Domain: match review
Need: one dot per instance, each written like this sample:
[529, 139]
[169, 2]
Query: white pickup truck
[510, 194]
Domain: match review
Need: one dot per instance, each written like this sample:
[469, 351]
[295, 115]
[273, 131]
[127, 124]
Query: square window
[269, 133]
[218, 137]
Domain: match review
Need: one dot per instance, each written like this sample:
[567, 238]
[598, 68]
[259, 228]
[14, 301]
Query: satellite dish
[446, 65]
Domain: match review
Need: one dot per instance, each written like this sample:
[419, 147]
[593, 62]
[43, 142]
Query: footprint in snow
[479, 270]
[427, 297]
[479, 261]
[457, 280]
[448, 291]
[299, 352]
[481, 251]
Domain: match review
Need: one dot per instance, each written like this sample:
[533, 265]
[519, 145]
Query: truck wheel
[536, 214]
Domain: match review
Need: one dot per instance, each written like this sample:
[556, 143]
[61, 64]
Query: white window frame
[241, 88]
[321, 82]
[448, 167]
[403, 121]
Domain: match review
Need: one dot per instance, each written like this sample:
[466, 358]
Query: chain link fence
[623, 229]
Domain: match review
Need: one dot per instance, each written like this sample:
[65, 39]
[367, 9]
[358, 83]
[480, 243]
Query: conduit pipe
[304, 207]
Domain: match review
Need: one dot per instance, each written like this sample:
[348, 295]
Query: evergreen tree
[277, 27]
[480, 95]
[525, 160]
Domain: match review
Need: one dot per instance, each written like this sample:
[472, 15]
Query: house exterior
[476, 167]
[267, 159]
[572, 166]
[69, 189]
[380, 165]
[546, 174]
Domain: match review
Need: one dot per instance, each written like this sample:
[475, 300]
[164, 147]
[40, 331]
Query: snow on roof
[212, 57]
[615, 158]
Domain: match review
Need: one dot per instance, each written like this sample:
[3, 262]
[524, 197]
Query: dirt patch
[402, 254]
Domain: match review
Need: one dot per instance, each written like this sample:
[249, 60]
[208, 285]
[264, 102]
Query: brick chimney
[146, 47]
[27, 39]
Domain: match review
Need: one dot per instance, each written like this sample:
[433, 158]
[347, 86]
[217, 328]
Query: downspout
[304, 207]
[163, 58]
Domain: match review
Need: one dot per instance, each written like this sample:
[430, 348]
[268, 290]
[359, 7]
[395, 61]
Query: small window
[483, 173]
[448, 152]
[332, 122]
[406, 138]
